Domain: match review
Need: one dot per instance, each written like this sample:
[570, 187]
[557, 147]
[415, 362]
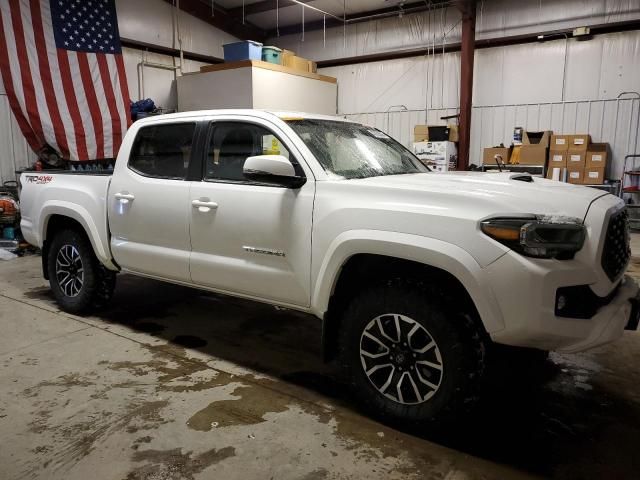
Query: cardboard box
[298, 63]
[313, 67]
[559, 142]
[597, 155]
[421, 133]
[453, 133]
[557, 173]
[285, 57]
[557, 159]
[576, 159]
[488, 157]
[579, 143]
[533, 155]
[575, 175]
[540, 139]
[593, 176]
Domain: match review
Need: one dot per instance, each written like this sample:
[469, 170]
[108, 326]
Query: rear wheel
[409, 356]
[78, 280]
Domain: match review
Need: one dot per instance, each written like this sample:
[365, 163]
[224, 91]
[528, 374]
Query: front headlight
[540, 237]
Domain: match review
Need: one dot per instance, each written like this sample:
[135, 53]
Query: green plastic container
[272, 55]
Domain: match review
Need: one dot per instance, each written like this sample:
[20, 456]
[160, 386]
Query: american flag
[63, 72]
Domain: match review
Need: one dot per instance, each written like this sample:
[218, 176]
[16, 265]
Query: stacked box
[596, 163]
[534, 148]
[489, 155]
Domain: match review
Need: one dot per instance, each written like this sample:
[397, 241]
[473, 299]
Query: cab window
[163, 151]
[231, 143]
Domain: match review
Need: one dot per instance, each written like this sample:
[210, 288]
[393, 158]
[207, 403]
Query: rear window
[163, 151]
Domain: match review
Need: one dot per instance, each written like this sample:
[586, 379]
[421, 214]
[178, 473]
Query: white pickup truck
[414, 274]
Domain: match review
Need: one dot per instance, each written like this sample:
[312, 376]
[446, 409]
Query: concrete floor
[172, 383]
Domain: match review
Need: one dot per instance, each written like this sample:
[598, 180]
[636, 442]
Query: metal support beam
[467, 48]
[220, 18]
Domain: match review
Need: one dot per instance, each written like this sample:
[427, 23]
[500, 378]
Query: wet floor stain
[175, 465]
[39, 293]
[189, 341]
[249, 408]
[318, 474]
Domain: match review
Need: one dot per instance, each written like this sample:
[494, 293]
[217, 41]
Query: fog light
[561, 302]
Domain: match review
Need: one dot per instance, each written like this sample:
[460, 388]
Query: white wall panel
[15, 154]
[518, 85]
[152, 21]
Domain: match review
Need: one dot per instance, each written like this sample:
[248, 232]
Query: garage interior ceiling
[260, 19]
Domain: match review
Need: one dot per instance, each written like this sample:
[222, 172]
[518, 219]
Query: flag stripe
[72, 102]
[92, 100]
[119, 101]
[124, 88]
[56, 74]
[101, 98]
[116, 128]
[45, 77]
[25, 73]
[48, 129]
[7, 79]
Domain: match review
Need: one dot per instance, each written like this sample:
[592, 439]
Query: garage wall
[134, 18]
[564, 85]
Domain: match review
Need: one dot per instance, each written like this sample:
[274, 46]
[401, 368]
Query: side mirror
[274, 169]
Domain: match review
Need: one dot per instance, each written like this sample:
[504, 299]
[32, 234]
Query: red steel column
[468, 9]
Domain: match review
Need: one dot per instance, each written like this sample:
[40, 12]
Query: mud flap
[634, 318]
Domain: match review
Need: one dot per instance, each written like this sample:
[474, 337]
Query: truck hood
[498, 193]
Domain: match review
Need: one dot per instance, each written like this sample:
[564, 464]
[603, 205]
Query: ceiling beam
[220, 18]
[261, 7]
[406, 9]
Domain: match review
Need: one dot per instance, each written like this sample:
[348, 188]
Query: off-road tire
[98, 283]
[460, 340]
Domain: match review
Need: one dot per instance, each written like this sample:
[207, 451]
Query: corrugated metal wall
[565, 85]
[614, 121]
[15, 154]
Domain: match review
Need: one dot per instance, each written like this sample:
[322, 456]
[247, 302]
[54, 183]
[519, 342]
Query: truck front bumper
[526, 291]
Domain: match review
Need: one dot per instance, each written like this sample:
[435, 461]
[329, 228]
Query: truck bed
[82, 196]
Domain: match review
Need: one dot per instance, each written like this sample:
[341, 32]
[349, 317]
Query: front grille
[616, 251]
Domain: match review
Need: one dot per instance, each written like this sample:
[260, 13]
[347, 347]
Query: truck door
[148, 204]
[250, 238]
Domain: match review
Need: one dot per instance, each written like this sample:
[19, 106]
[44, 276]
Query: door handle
[124, 197]
[204, 206]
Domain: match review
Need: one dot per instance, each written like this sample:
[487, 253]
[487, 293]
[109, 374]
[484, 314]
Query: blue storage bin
[271, 55]
[245, 50]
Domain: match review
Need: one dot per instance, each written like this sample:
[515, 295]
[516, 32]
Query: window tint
[163, 151]
[232, 143]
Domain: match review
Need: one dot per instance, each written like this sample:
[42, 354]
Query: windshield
[351, 150]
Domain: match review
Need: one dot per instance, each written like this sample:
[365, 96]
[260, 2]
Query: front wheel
[409, 356]
[78, 280]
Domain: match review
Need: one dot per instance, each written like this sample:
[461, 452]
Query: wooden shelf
[264, 65]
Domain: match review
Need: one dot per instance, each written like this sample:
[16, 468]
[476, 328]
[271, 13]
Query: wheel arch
[60, 218]
[359, 258]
